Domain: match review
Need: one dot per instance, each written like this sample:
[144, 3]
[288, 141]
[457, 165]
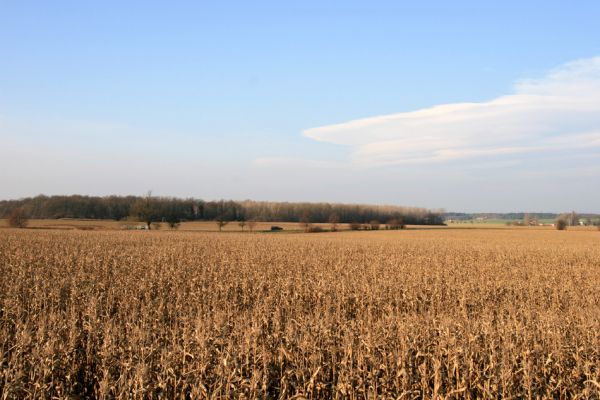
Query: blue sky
[256, 100]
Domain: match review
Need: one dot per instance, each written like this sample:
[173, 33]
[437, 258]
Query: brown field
[432, 313]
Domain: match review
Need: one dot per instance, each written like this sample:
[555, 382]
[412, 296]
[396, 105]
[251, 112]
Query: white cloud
[557, 112]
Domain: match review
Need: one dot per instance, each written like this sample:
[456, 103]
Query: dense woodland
[163, 208]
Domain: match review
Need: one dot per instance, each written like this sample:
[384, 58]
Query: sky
[465, 105]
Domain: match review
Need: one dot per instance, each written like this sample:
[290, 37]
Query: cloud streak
[560, 111]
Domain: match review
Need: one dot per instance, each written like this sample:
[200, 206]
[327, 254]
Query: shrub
[252, 225]
[173, 221]
[334, 220]
[395, 224]
[560, 224]
[354, 226]
[18, 218]
[304, 221]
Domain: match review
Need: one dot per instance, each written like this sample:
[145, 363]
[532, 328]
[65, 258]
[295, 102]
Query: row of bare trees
[150, 209]
[334, 222]
[375, 225]
[242, 223]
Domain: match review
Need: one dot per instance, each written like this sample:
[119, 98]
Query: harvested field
[440, 313]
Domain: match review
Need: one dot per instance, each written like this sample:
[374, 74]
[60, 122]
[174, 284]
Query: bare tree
[242, 224]
[18, 218]
[573, 219]
[221, 222]
[146, 210]
[252, 225]
[305, 221]
[334, 220]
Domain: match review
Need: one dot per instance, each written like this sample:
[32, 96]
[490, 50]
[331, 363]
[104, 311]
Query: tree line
[170, 209]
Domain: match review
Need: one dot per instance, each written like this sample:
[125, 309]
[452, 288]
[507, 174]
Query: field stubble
[411, 314]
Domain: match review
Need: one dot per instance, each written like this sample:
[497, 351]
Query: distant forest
[499, 216]
[168, 208]
[510, 216]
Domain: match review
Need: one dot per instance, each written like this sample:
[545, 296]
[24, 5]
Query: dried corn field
[406, 314]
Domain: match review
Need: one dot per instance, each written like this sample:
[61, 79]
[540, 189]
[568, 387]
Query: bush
[334, 220]
[560, 224]
[172, 221]
[395, 224]
[18, 218]
[354, 226]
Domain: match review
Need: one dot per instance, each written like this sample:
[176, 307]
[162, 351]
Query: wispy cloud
[559, 111]
[294, 162]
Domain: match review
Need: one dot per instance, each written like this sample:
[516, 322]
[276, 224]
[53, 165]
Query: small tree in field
[242, 224]
[251, 225]
[334, 220]
[18, 218]
[305, 221]
[171, 215]
[560, 224]
[221, 222]
[146, 210]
